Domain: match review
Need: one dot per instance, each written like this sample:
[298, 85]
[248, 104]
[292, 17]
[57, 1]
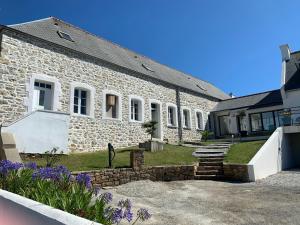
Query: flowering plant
[55, 186]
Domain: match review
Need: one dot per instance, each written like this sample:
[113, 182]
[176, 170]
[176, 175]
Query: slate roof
[92, 45]
[260, 100]
[293, 72]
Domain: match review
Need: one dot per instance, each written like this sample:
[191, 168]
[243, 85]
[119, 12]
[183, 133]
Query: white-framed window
[43, 93]
[199, 119]
[82, 99]
[186, 118]
[172, 115]
[112, 105]
[136, 109]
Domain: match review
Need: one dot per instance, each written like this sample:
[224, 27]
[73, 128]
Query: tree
[150, 128]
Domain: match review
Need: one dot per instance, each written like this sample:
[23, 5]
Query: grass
[171, 155]
[243, 152]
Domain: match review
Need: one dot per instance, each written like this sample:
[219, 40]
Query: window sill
[187, 128]
[83, 116]
[172, 126]
[199, 129]
[135, 121]
[113, 119]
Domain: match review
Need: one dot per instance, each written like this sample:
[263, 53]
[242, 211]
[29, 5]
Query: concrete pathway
[215, 203]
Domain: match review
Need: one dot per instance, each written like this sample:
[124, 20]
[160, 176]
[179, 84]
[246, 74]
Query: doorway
[156, 116]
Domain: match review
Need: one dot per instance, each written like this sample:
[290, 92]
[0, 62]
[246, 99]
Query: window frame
[183, 108]
[111, 92]
[202, 118]
[142, 107]
[261, 120]
[43, 78]
[90, 99]
[174, 106]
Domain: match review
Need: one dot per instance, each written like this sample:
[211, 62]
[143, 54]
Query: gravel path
[284, 179]
[270, 201]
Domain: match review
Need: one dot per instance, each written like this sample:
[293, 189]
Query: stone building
[61, 86]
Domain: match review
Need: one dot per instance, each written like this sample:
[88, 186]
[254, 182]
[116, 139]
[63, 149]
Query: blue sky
[233, 44]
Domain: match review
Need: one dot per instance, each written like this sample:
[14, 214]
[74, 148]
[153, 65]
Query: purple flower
[125, 204]
[128, 215]
[84, 179]
[106, 197]
[30, 165]
[97, 191]
[143, 214]
[57, 173]
[117, 216]
[7, 166]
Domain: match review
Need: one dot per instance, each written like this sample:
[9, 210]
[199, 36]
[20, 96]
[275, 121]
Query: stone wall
[114, 177]
[22, 57]
[236, 172]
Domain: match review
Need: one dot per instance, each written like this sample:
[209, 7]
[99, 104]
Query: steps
[211, 159]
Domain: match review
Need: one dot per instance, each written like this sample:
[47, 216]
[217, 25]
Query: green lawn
[243, 152]
[171, 155]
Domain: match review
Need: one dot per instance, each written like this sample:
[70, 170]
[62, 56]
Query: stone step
[208, 155]
[214, 147]
[211, 159]
[208, 151]
[211, 164]
[218, 167]
[209, 172]
[208, 177]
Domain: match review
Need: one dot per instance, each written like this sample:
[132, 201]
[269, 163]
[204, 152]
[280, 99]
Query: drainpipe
[178, 103]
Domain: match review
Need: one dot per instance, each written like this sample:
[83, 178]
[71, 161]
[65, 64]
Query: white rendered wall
[267, 160]
[38, 212]
[41, 131]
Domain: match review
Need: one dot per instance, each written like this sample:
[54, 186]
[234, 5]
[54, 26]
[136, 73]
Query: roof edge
[244, 96]
[79, 52]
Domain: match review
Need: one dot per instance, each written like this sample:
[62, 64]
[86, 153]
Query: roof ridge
[37, 20]
[127, 49]
[250, 95]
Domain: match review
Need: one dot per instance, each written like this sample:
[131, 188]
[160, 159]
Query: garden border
[45, 210]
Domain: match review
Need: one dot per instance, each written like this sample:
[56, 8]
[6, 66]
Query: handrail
[290, 116]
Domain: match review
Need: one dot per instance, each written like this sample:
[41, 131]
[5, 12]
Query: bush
[150, 127]
[206, 134]
[56, 187]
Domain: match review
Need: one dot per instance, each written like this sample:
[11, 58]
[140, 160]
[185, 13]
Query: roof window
[65, 36]
[147, 67]
[202, 88]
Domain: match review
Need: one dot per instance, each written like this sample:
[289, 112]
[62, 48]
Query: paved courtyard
[275, 200]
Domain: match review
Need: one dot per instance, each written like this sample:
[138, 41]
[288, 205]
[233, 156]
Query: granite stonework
[236, 172]
[21, 57]
[115, 177]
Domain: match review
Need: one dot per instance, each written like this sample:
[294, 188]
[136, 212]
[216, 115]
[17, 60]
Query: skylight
[65, 36]
[202, 88]
[147, 67]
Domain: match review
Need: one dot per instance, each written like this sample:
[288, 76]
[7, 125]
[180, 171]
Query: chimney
[285, 52]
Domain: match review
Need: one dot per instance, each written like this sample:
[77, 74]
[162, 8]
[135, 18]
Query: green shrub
[56, 187]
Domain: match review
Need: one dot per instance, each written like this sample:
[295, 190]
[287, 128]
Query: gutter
[3, 27]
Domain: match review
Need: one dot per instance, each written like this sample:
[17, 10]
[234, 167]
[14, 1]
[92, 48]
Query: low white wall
[267, 160]
[34, 211]
[40, 131]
